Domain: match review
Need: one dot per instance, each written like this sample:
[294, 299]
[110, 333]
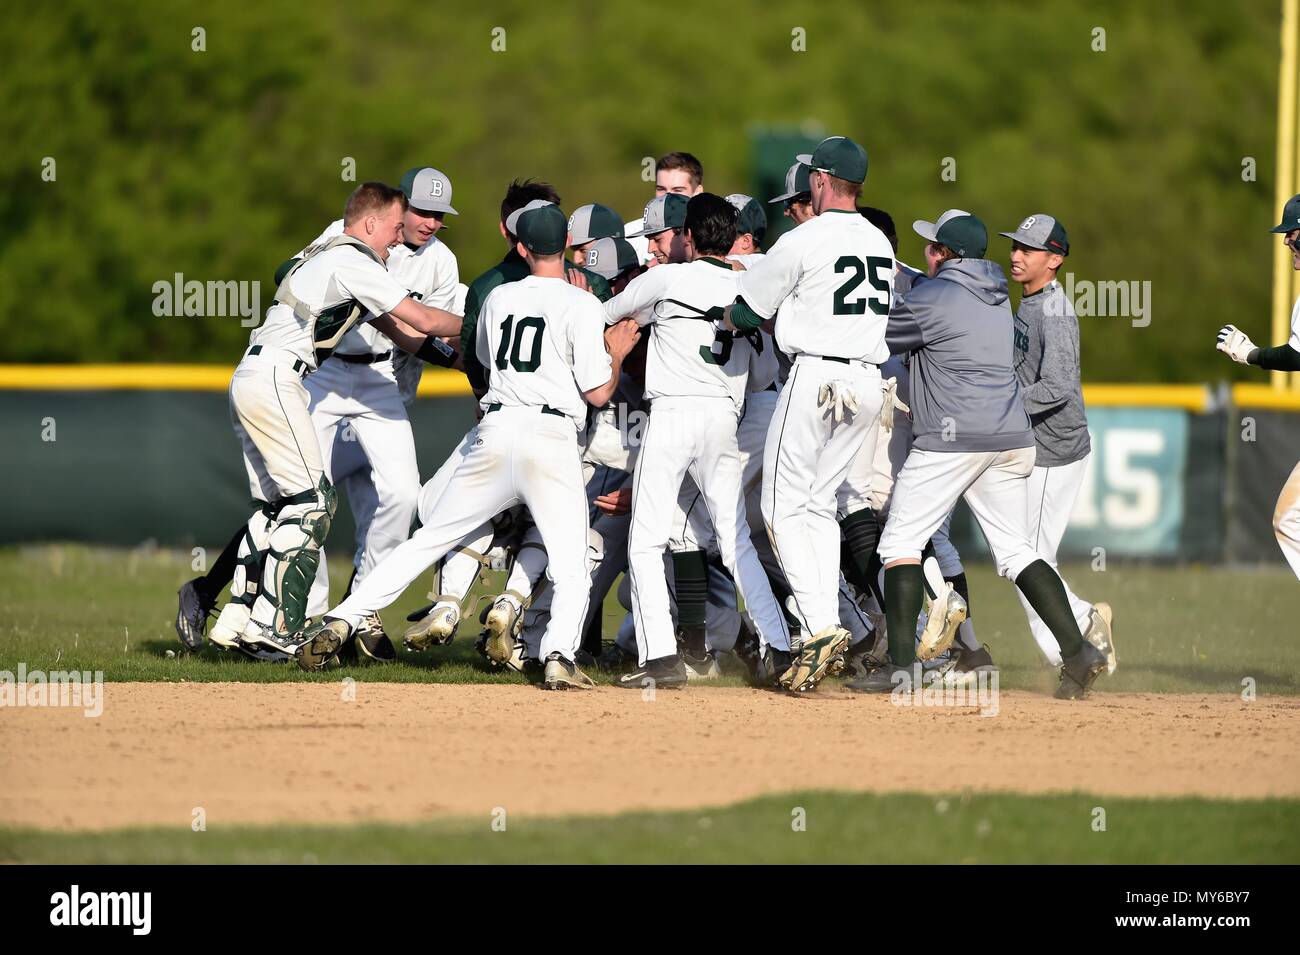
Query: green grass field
[1179, 629]
[840, 828]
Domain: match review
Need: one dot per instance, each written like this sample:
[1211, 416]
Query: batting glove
[836, 397]
[1234, 343]
[890, 402]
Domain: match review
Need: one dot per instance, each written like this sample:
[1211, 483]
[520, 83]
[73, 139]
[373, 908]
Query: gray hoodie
[958, 327]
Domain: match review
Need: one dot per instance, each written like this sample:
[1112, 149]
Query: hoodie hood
[982, 278]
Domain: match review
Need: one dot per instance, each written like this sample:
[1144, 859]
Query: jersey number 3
[513, 344]
[859, 269]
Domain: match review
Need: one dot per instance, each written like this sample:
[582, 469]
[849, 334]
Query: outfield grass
[1179, 629]
[843, 828]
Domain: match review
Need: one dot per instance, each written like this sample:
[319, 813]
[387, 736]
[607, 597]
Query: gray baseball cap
[796, 182]
[750, 216]
[594, 221]
[1290, 216]
[611, 257]
[958, 230]
[839, 156]
[1041, 231]
[662, 213]
[427, 190]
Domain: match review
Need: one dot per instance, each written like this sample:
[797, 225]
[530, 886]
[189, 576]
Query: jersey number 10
[857, 272]
[514, 344]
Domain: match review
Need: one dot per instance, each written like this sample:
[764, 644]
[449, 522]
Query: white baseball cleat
[228, 630]
[1101, 633]
[435, 628]
[947, 611]
[500, 625]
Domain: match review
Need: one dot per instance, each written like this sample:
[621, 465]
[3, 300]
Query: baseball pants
[1286, 520]
[520, 456]
[805, 461]
[1052, 492]
[695, 436]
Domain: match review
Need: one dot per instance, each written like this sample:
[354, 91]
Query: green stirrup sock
[1043, 589]
[861, 531]
[903, 586]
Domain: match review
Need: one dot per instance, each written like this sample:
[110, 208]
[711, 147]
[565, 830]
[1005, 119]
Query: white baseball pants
[520, 456]
[805, 461]
[1286, 520]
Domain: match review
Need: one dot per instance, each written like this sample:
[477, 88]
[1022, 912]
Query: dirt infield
[258, 753]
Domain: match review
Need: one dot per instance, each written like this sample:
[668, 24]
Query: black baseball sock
[861, 531]
[903, 587]
[1042, 587]
[221, 573]
[691, 572]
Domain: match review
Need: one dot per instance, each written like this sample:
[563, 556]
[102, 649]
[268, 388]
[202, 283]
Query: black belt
[299, 365]
[545, 409]
[842, 361]
[366, 359]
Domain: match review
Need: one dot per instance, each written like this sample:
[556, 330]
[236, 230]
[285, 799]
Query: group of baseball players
[767, 445]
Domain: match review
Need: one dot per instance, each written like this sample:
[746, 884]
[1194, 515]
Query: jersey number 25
[858, 269]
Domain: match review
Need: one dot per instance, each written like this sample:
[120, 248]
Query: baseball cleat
[967, 665]
[1079, 672]
[562, 674]
[614, 659]
[704, 668]
[263, 635]
[500, 626]
[814, 658]
[320, 642]
[229, 628]
[947, 611]
[373, 642]
[869, 653]
[1101, 633]
[882, 680]
[191, 615]
[435, 628]
[665, 672]
[263, 655]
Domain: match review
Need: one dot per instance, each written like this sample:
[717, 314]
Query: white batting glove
[1236, 344]
[838, 399]
[890, 403]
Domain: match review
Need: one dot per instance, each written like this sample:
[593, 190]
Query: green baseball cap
[839, 156]
[591, 222]
[958, 230]
[750, 216]
[1290, 216]
[541, 226]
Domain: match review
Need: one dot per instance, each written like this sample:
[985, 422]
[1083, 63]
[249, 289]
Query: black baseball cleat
[1079, 672]
[192, 615]
[614, 659]
[373, 642]
[662, 672]
[883, 679]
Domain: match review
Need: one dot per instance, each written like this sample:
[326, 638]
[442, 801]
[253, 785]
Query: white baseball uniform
[542, 341]
[695, 380]
[828, 282]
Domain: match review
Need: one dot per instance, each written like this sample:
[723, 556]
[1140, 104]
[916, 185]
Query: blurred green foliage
[219, 164]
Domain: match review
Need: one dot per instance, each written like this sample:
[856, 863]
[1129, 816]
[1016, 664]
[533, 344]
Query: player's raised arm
[429, 347]
[638, 299]
[620, 339]
[426, 319]
[763, 286]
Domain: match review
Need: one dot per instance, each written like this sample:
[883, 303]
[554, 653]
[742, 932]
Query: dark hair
[682, 161]
[369, 198]
[711, 221]
[883, 221]
[519, 194]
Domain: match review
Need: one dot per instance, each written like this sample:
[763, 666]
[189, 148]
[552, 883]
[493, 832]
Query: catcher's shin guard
[294, 554]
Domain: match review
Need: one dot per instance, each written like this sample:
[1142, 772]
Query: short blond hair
[371, 198]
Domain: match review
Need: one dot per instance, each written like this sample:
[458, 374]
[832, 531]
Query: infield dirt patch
[261, 753]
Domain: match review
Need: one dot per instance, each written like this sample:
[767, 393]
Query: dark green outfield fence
[125, 467]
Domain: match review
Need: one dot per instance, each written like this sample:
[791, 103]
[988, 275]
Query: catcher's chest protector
[328, 325]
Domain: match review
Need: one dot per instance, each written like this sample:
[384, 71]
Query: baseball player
[971, 438]
[663, 228]
[1285, 357]
[358, 405]
[543, 341]
[589, 224]
[1047, 365]
[695, 380]
[322, 297]
[797, 199]
[677, 173]
[437, 622]
[828, 284]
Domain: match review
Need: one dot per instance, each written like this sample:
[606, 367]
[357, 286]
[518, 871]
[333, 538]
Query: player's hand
[577, 279]
[617, 502]
[1236, 344]
[622, 337]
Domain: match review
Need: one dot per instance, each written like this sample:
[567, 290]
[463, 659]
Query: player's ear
[1055, 261]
